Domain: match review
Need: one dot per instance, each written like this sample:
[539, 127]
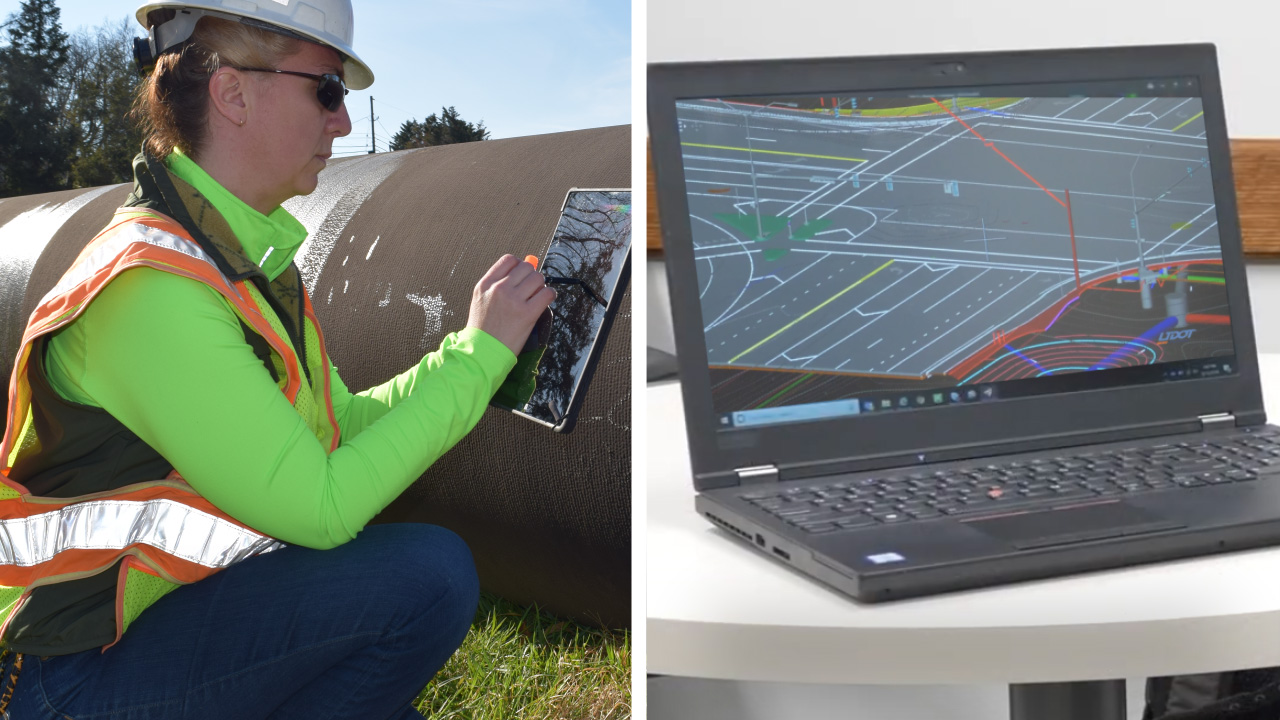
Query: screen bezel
[800, 447]
[567, 422]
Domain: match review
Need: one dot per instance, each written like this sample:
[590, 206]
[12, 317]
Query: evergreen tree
[407, 135]
[35, 143]
[446, 128]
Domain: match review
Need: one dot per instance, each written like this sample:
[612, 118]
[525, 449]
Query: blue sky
[523, 67]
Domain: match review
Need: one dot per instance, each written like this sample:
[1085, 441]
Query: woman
[182, 463]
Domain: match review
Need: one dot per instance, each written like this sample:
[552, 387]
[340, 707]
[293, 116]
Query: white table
[718, 610]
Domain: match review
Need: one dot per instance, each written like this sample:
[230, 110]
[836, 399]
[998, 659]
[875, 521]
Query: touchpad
[1064, 526]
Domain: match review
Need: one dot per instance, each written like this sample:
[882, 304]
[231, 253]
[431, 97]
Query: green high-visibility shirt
[166, 356]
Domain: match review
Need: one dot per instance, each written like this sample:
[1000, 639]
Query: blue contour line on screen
[1059, 342]
[1064, 309]
[993, 112]
[1069, 367]
[1144, 337]
[1038, 366]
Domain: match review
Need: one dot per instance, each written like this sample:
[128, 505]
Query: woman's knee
[448, 556]
[435, 572]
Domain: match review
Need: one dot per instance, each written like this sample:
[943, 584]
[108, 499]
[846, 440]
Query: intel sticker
[883, 558]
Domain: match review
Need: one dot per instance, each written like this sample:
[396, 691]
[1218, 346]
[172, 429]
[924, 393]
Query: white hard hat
[327, 22]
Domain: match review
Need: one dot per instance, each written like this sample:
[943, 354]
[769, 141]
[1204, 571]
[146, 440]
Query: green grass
[521, 663]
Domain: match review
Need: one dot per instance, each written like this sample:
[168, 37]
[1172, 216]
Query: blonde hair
[173, 102]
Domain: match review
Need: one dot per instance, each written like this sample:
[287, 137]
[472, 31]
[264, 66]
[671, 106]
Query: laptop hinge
[1218, 421]
[757, 474]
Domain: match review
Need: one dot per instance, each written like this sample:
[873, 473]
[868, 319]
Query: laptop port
[759, 539]
[781, 553]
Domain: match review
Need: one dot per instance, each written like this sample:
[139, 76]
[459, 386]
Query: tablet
[587, 262]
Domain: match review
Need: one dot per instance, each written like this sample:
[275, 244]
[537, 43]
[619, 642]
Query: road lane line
[816, 309]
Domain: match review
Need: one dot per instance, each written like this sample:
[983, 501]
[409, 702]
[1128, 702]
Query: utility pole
[373, 140]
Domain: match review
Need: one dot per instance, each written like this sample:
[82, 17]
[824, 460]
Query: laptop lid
[895, 260]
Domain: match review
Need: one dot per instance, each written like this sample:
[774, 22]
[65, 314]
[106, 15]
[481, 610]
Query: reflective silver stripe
[133, 232]
[175, 528]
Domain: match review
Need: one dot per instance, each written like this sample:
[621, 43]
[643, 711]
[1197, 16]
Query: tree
[35, 144]
[446, 128]
[101, 92]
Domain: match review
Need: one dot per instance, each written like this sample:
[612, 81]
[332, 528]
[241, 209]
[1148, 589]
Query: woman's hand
[508, 300]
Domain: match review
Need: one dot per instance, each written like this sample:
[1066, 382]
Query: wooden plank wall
[1256, 164]
[1257, 169]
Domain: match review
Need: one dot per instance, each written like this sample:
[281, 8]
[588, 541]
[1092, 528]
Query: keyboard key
[1032, 493]
[819, 528]
[826, 516]
[1074, 494]
[856, 521]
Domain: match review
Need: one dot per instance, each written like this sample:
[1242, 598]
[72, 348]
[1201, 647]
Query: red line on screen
[997, 150]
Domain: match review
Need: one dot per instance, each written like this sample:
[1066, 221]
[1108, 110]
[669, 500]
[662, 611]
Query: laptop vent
[729, 527]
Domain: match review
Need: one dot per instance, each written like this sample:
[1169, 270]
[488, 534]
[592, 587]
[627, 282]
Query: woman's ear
[228, 96]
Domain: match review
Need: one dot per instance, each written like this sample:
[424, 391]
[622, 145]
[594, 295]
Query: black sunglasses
[330, 93]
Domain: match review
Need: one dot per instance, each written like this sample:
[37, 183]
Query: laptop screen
[899, 251]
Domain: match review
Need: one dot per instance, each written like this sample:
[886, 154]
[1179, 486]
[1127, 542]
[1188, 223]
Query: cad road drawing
[854, 244]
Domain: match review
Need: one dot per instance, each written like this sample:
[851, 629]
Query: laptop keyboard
[1242, 456]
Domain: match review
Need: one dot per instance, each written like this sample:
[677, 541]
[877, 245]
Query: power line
[393, 107]
[384, 128]
[352, 150]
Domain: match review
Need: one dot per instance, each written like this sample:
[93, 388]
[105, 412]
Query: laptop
[952, 321]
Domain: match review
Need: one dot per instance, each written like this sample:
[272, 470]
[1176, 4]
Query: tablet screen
[583, 264]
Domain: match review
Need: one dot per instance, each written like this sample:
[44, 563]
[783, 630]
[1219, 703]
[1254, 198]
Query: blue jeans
[352, 632]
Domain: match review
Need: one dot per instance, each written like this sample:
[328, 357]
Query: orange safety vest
[161, 532]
